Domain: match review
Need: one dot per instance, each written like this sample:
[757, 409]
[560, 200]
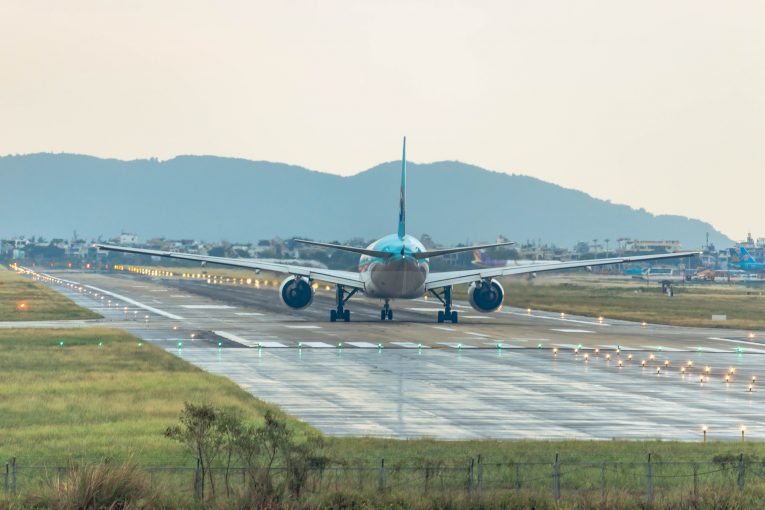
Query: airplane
[394, 267]
[744, 261]
[480, 259]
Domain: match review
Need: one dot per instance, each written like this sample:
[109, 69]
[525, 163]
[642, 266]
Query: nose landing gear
[447, 314]
[386, 312]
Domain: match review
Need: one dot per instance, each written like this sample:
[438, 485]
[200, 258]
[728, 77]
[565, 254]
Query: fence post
[517, 476]
[480, 475]
[695, 480]
[382, 474]
[649, 482]
[13, 475]
[741, 472]
[603, 482]
[5, 477]
[556, 479]
[470, 476]
[199, 482]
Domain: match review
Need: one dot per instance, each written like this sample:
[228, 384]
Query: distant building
[635, 246]
[126, 239]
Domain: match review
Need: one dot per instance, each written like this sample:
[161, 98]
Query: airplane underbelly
[396, 279]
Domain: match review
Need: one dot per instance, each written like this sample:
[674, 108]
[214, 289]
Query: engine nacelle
[486, 296]
[296, 292]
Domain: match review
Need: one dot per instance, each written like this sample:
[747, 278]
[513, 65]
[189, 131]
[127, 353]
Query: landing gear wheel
[333, 316]
[383, 315]
[440, 316]
[390, 315]
[347, 315]
[454, 317]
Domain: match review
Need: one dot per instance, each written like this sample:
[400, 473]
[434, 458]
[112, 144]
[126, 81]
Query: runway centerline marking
[303, 327]
[248, 314]
[478, 334]
[566, 330]
[443, 328]
[477, 317]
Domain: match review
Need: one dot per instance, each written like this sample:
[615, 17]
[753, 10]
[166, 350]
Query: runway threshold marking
[363, 345]
[410, 345]
[320, 345]
[271, 344]
[136, 303]
[455, 345]
[235, 338]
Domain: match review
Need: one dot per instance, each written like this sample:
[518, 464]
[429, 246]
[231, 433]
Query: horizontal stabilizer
[352, 249]
[447, 251]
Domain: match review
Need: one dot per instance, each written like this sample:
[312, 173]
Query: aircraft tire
[382, 315]
[347, 316]
[332, 315]
[440, 316]
[455, 319]
[390, 315]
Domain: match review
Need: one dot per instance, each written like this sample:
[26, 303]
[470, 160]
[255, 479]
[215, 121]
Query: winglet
[402, 197]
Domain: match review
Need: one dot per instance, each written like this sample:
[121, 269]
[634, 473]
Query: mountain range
[215, 198]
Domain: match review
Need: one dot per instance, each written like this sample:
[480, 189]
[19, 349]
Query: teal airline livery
[395, 267]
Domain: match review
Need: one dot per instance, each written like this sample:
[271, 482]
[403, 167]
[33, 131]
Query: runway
[491, 376]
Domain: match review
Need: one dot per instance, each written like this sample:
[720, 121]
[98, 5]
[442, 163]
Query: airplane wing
[347, 278]
[437, 280]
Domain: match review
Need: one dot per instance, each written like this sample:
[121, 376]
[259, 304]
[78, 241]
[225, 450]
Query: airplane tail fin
[402, 197]
[745, 256]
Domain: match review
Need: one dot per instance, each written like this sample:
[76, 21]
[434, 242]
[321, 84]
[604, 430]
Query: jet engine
[296, 292]
[486, 296]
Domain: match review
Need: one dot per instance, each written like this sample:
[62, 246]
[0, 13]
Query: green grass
[692, 305]
[22, 299]
[88, 401]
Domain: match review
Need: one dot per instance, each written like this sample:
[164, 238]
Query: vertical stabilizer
[402, 197]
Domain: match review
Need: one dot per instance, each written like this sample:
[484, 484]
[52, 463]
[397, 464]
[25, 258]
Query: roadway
[512, 374]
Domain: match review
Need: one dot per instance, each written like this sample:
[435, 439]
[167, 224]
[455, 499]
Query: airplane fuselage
[398, 276]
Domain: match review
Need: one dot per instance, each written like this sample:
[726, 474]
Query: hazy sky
[657, 104]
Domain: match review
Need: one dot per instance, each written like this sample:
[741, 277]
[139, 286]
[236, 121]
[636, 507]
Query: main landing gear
[445, 296]
[386, 312]
[340, 313]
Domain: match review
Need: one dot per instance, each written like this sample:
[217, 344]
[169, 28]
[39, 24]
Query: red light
[22, 306]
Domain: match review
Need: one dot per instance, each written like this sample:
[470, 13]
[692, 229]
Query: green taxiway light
[660, 348]
[61, 343]
[699, 349]
[339, 345]
[100, 344]
[579, 346]
[220, 344]
[180, 344]
[739, 350]
[300, 345]
[140, 344]
[379, 346]
[499, 346]
[539, 346]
